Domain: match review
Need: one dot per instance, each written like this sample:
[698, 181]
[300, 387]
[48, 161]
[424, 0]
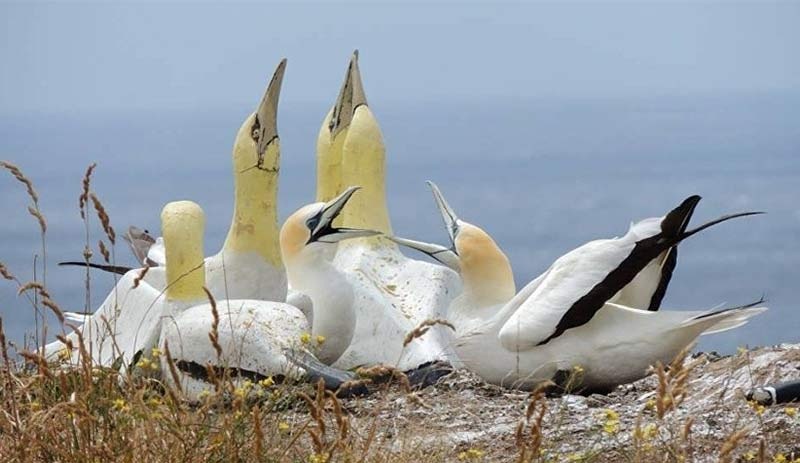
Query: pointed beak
[351, 96]
[324, 232]
[265, 126]
[445, 256]
[448, 215]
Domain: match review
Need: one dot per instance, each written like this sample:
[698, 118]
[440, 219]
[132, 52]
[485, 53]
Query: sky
[83, 57]
[550, 124]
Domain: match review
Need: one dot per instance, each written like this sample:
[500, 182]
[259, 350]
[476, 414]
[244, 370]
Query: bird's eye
[312, 222]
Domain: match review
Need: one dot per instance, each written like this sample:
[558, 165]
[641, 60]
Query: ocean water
[542, 176]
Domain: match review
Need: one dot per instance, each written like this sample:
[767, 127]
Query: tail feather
[726, 319]
[120, 270]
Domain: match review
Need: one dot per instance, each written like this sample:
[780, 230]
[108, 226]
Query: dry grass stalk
[50, 304]
[529, 448]
[258, 434]
[35, 211]
[762, 451]
[140, 276]
[17, 173]
[672, 384]
[423, 328]
[214, 334]
[730, 444]
[104, 251]
[173, 371]
[5, 273]
[33, 285]
[84, 196]
[105, 220]
[39, 218]
[385, 374]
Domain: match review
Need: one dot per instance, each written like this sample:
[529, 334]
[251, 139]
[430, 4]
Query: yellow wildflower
[63, 355]
[156, 352]
[120, 404]
[471, 454]
[780, 458]
[749, 456]
[577, 369]
[757, 407]
[611, 425]
[283, 426]
[203, 394]
[35, 406]
[267, 382]
[320, 339]
[790, 411]
[650, 404]
[650, 431]
[317, 458]
[240, 392]
[305, 338]
[143, 363]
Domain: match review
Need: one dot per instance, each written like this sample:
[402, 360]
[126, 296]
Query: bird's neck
[488, 284]
[254, 227]
[329, 161]
[332, 296]
[364, 164]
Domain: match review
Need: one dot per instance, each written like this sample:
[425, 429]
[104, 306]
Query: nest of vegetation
[692, 410]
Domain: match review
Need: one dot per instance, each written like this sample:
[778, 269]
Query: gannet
[393, 293]
[577, 313]
[249, 264]
[255, 336]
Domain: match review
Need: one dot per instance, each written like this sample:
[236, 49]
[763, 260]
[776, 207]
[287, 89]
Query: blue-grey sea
[543, 176]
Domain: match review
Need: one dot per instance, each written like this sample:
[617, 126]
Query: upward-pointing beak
[265, 127]
[324, 232]
[448, 215]
[351, 96]
[446, 256]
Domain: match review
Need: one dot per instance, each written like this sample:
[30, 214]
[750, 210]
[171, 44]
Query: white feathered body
[616, 347]
[128, 321]
[252, 334]
[393, 295]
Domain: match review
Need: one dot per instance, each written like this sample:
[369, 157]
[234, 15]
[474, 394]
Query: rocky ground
[465, 419]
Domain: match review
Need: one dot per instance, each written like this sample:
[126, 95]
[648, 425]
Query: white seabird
[256, 336]
[578, 312]
[394, 294]
[249, 264]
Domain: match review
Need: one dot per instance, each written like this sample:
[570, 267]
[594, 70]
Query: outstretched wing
[579, 283]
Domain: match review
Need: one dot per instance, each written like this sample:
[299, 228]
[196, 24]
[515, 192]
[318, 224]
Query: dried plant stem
[36, 212]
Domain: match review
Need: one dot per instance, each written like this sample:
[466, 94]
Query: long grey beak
[265, 126]
[351, 96]
[448, 215]
[324, 232]
[445, 256]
